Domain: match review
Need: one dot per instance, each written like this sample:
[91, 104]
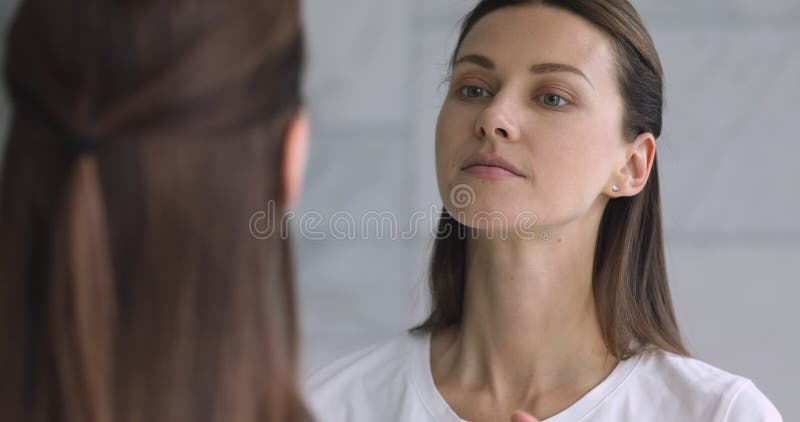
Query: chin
[496, 221]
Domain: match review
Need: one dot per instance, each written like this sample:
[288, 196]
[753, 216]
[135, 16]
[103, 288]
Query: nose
[496, 122]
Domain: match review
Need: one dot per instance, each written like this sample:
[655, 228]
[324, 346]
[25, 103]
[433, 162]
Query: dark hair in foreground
[131, 288]
[630, 285]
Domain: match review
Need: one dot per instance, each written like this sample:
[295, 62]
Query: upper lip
[492, 160]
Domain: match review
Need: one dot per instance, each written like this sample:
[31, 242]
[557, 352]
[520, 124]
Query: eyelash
[463, 89]
[462, 93]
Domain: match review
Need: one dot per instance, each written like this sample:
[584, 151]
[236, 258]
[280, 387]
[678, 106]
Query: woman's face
[534, 86]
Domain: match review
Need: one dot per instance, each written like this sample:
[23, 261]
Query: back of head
[144, 135]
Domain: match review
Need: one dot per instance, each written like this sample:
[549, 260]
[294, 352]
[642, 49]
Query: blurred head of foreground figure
[144, 136]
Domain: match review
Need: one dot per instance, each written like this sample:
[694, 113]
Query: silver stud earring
[615, 188]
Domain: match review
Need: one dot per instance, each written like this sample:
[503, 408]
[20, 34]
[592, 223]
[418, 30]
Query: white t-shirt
[392, 381]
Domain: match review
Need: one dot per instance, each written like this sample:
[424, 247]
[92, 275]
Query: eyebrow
[539, 68]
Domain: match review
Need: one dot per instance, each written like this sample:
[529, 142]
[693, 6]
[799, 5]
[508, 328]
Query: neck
[529, 326]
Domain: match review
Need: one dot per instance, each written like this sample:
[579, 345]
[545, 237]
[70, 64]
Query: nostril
[483, 132]
[502, 132]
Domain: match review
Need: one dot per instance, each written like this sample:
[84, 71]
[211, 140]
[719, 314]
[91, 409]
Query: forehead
[529, 34]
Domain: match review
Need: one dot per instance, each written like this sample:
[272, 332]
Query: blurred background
[728, 156]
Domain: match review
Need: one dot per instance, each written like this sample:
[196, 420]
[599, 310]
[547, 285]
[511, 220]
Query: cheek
[573, 163]
[452, 131]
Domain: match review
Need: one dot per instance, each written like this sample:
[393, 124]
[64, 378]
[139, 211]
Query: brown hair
[144, 136]
[629, 275]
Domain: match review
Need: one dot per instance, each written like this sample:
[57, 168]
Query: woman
[144, 137]
[548, 280]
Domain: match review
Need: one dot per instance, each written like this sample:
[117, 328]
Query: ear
[295, 154]
[632, 176]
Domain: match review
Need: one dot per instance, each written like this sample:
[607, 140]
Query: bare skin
[523, 417]
[530, 338]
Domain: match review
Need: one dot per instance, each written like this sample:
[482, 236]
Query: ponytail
[81, 297]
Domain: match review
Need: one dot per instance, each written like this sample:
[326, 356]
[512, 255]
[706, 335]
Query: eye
[474, 91]
[553, 100]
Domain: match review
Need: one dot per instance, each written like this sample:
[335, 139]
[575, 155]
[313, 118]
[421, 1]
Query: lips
[490, 162]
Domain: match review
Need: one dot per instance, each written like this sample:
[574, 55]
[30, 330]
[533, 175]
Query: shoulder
[387, 358]
[704, 388]
[363, 381]
[750, 404]
[687, 372]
